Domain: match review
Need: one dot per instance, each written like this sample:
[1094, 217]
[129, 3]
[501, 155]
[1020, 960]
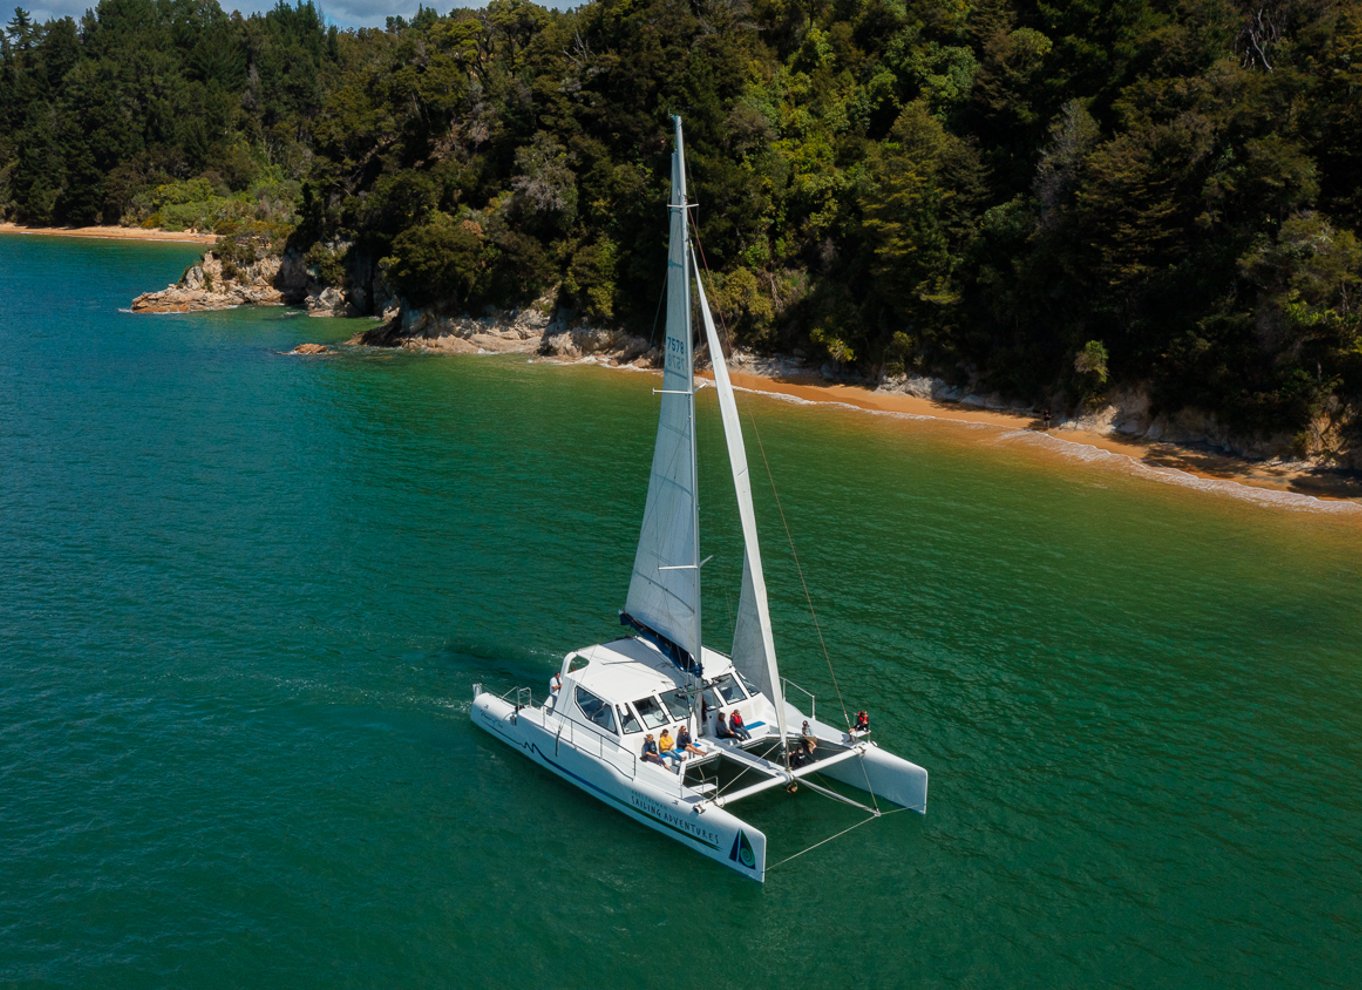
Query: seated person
[650, 754]
[667, 749]
[807, 740]
[685, 743]
[862, 721]
[721, 728]
[739, 730]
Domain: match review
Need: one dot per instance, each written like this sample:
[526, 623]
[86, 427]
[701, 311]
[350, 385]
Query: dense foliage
[1046, 199]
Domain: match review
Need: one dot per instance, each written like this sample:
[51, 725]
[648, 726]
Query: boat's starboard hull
[652, 797]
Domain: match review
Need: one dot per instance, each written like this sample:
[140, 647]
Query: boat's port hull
[651, 796]
[877, 771]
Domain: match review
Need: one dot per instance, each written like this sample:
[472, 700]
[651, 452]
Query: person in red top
[736, 724]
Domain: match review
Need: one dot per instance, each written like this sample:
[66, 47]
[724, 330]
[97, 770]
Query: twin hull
[627, 786]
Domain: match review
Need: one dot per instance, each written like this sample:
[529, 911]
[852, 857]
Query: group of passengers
[664, 749]
[733, 728]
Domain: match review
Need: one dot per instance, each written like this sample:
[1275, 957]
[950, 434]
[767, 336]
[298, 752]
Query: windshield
[677, 703]
[730, 690]
[651, 711]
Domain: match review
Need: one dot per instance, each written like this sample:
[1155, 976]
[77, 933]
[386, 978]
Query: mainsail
[664, 591]
[754, 648]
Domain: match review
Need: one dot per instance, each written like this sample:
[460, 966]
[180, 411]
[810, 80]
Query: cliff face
[273, 280]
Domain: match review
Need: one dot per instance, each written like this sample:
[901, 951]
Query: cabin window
[596, 710]
[731, 691]
[678, 703]
[651, 711]
[628, 720]
[576, 663]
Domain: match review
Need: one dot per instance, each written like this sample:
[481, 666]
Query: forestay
[754, 648]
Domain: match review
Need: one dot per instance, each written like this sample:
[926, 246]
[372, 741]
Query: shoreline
[113, 233]
[1298, 485]
[1284, 484]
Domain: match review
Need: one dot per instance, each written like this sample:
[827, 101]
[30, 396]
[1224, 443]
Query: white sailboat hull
[649, 795]
[877, 771]
[886, 776]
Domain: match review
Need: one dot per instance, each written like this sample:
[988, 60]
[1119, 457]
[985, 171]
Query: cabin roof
[631, 668]
[626, 669]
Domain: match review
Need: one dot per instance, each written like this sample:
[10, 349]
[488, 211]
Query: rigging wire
[789, 536]
[692, 217]
[838, 835]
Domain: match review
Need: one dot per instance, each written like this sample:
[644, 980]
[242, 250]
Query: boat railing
[606, 747]
[786, 684]
[520, 697]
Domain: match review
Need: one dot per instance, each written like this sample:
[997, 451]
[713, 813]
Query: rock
[304, 350]
[327, 301]
[539, 328]
[578, 342]
[212, 284]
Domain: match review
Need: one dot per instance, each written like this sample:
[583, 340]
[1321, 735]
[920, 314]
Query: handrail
[570, 727]
[786, 683]
[524, 697]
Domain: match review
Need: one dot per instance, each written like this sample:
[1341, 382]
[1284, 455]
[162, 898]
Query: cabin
[625, 689]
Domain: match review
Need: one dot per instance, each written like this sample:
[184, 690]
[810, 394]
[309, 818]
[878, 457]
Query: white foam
[1090, 454]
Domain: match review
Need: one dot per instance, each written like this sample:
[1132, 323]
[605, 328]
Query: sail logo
[676, 356]
[742, 851]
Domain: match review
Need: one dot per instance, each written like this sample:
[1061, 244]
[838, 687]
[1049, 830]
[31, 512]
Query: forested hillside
[1045, 199]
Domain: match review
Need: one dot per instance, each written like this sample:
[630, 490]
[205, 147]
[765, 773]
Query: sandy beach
[113, 233]
[1285, 483]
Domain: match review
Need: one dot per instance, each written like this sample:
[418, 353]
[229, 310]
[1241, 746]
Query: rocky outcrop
[515, 331]
[536, 329]
[213, 284]
[577, 343]
[310, 350]
[219, 283]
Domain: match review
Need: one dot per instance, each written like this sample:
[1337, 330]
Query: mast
[663, 601]
[679, 210]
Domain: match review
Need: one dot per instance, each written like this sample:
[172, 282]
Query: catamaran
[607, 707]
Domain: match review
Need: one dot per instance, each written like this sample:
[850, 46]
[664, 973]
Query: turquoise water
[244, 597]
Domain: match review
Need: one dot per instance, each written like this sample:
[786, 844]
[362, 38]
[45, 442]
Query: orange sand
[1164, 458]
[113, 233]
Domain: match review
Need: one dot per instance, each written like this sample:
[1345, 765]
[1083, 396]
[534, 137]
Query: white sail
[754, 648]
[664, 591]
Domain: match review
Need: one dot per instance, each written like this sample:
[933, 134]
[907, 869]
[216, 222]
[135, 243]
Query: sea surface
[244, 598]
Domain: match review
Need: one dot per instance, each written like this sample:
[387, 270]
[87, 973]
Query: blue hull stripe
[607, 797]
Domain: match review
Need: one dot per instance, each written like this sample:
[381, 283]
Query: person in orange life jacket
[739, 730]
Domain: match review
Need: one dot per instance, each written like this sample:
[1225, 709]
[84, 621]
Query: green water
[244, 597]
